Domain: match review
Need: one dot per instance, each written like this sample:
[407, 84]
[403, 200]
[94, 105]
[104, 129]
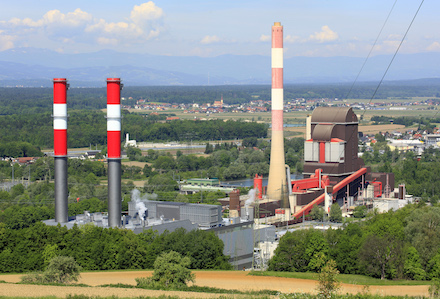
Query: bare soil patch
[239, 280]
[134, 163]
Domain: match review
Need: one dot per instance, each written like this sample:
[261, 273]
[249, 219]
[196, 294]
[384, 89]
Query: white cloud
[146, 12]
[326, 35]
[434, 47]
[291, 39]
[118, 31]
[144, 23]
[76, 18]
[264, 38]
[209, 39]
[6, 41]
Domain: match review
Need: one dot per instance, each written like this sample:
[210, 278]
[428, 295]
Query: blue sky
[207, 28]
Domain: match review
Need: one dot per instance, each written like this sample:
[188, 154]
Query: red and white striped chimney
[277, 184]
[60, 87]
[114, 151]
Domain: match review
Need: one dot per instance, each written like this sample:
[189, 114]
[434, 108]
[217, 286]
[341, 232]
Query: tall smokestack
[60, 87]
[277, 187]
[114, 151]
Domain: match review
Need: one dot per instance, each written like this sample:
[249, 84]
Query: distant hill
[36, 67]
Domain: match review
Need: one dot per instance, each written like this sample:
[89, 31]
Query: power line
[371, 50]
[395, 54]
[388, 67]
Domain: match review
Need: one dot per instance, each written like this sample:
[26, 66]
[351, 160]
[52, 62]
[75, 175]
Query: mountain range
[37, 67]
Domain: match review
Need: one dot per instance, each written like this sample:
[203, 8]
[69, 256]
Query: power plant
[333, 172]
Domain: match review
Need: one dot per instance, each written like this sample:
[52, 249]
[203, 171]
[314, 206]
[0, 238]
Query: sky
[314, 28]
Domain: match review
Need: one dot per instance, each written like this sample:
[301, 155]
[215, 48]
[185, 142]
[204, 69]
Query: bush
[328, 285]
[170, 272]
[61, 269]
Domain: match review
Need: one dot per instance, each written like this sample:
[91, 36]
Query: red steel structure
[307, 208]
[312, 182]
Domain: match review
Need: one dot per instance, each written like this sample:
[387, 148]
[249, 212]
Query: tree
[316, 250]
[434, 288]
[170, 272]
[378, 255]
[317, 213]
[209, 148]
[289, 253]
[423, 231]
[360, 212]
[161, 182]
[328, 283]
[335, 213]
[412, 268]
[62, 269]
[134, 153]
[49, 252]
[250, 141]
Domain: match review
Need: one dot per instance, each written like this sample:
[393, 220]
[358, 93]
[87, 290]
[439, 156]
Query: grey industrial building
[206, 216]
[238, 235]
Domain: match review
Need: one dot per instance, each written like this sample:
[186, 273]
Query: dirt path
[220, 279]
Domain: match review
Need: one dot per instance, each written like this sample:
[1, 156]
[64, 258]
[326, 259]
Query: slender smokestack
[60, 87]
[277, 186]
[114, 151]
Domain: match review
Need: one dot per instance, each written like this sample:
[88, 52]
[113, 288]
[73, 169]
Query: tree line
[87, 128]
[424, 123]
[417, 173]
[37, 100]
[404, 244]
[96, 248]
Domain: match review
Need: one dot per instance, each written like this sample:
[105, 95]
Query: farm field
[239, 280]
[299, 116]
[366, 129]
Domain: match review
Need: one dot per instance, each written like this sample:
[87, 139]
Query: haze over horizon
[317, 28]
[209, 42]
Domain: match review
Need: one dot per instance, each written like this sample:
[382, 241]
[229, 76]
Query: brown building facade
[333, 146]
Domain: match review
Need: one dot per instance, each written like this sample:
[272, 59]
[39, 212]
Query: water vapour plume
[140, 206]
[252, 194]
[251, 198]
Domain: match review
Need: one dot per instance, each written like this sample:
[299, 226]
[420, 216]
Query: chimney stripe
[277, 99]
[277, 58]
[277, 78]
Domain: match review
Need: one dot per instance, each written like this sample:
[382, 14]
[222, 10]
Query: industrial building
[206, 216]
[333, 172]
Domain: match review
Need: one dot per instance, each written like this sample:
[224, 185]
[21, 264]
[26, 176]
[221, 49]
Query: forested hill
[31, 100]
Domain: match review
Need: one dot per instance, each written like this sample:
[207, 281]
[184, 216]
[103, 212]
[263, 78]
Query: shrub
[61, 269]
[170, 271]
[328, 285]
